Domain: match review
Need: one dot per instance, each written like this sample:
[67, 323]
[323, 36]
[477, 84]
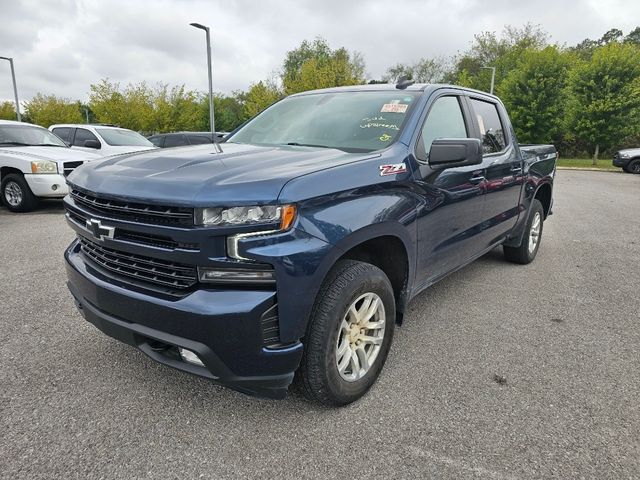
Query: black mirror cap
[455, 152]
[92, 144]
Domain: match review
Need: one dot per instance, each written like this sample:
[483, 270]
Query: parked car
[628, 159]
[33, 165]
[299, 247]
[180, 139]
[102, 139]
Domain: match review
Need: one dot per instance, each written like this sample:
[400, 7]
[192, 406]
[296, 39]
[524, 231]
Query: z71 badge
[392, 169]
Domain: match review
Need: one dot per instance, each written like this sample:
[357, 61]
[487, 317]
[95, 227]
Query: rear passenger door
[502, 166]
[65, 133]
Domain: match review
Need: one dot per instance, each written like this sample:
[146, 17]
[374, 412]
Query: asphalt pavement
[499, 371]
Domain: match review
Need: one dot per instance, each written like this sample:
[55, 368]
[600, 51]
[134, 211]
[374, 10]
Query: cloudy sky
[62, 46]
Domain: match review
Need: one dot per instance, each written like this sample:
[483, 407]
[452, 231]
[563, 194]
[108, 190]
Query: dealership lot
[499, 371]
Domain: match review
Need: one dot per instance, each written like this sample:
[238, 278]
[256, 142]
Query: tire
[349, 284]
[527, 250]
[633, 166]
[16, 194]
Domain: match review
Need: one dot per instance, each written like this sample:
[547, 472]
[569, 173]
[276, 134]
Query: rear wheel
[16, 194]
[528, 248]
[633, 166]
[349, 334]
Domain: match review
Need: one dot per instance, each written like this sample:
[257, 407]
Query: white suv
[101, 139]
[34, 164]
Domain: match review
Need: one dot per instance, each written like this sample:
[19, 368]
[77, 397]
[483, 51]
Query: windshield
[349, 121]
[119, 137]
[28, 135]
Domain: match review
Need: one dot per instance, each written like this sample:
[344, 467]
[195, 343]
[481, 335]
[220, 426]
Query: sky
[62, 46]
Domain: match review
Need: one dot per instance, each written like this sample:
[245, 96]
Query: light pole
[211, 116]
[15, 88]
[493, 77]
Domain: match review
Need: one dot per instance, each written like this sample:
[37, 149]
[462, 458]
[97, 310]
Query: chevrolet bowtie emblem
[98, 230]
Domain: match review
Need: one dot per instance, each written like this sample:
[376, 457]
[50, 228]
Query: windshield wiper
[296, 144]
[19, 144]
[48, 145]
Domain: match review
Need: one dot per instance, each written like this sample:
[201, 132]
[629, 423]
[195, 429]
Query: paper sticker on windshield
[392, 169]
[394, 108]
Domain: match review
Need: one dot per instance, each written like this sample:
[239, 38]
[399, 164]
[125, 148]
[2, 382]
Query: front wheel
[633, 167]
[16, 194]
[528, 248]
[349, 334]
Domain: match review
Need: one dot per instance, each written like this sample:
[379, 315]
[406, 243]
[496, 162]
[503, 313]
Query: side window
[199, 139]
[175, 141]
[62, 132]
[156, 140]
[493, 139]
[82, 135]
[445, 120]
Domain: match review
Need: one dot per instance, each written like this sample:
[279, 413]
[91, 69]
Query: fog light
[215, 275]
[54, 187]
[190, 357]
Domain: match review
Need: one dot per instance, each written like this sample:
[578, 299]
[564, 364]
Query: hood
[630, 151]
[198, 176]
[55, 154]
[118, 149]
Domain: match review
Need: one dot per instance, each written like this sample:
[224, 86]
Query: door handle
[477, 179]
[516, 169]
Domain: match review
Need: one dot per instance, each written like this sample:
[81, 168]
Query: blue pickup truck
[294, 247]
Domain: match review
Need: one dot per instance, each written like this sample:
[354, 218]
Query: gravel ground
[499, 372]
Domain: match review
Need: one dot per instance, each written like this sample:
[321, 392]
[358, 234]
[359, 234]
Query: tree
[633, 37]
[315, 65]
[259, 97]
[425, 70]
[502, 52]
[534, 94]
[130, 108]
[604, 105]
[7, 111]
[46, 110]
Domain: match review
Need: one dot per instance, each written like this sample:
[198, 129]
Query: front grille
[137, 237]
[69, 167]
[151, 271]
[136, 212]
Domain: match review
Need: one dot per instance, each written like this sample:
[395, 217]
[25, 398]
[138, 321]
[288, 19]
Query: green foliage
[7, 111]
[534, 94]
[259, 97]
[47, 110]
[425, 70]
[604, 105]
[315, 65]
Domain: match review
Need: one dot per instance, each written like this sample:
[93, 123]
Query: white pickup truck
[33, 164]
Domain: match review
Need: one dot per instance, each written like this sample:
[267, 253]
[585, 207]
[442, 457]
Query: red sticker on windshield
[394, 108]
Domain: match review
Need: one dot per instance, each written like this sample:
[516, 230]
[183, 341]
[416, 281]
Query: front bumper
[49, 185]
[620, 162]
[222, 326]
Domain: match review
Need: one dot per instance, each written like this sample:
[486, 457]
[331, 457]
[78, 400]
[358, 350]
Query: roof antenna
[404, 82]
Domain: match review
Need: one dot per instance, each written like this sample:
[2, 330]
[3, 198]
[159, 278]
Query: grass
[603, 163]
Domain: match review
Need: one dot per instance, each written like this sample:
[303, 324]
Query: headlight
[44, 166]
[265, 214]
[625, 155]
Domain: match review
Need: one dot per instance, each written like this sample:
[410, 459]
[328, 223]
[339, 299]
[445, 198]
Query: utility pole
[493, 77]
[15, 88]
[211, 114]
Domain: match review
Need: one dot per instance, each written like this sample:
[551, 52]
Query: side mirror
[455, 152]
[92, 144]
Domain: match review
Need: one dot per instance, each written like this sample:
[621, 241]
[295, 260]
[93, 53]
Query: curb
[588, 169]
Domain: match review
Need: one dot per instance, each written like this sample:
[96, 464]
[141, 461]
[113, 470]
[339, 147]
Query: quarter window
[445, 120]
[491, 129]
